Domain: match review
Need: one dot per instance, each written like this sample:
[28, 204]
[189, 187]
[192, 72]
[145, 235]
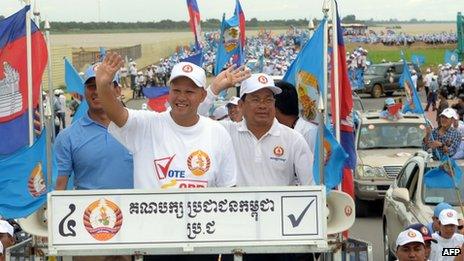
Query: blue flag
[81, 111]
[232, 40]
[451, 57]
[73, 81]
[306, 73]
[418, 59]
[441, 177]
[412, 102]
[334, 160]
[196, 58]
[23, 176]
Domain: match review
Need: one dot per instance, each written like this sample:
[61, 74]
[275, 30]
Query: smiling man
[176, 148]
[86, 148]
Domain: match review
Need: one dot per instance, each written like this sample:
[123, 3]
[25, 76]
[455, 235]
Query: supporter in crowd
[445, 139]
[233, 110]
[446, 236]
[435, 225]
[410, 245]
[426, 235]
[86, 149]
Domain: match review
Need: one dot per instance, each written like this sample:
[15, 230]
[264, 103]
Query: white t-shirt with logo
[309, 132]
[272, 160]
[167, 155]
[455, 241]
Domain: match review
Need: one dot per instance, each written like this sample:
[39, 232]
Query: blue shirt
[97, 159]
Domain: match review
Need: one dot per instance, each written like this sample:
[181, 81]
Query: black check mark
[296, 222]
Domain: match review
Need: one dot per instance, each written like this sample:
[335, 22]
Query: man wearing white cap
[445, 139]
[6, 237]
[176, 148]
[268, 153]
[234, 112]
[410, 245]
[446, 237]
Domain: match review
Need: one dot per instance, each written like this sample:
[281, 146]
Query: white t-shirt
[309, 132]
[437, 249]
[272, 160]
[167, 155]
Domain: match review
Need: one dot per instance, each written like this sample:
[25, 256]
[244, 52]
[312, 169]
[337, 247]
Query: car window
[399, 68]
[434, 196]
[391, 136]
[405, 177]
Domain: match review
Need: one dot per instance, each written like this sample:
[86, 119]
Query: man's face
[91, 95]
[185, 97]
[411, 251]
[234, 112]
[446, 122]
[447, 231]
[258, 108]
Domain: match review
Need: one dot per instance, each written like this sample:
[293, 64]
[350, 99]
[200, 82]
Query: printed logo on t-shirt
[198, 162]
[278, 151]
[162, 166]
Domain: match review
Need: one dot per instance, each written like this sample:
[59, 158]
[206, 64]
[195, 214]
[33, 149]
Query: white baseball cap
[449, 113]
[5, 227]
[409, 236]
[191, 71]
[234, 100]
[257, 82]
[448, 217]
[220, 113]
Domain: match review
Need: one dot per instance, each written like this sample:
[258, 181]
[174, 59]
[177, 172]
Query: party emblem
[36, 184]
[348, 211]
[278, 151]
[102, 219]
[411, 234]
[187, 68]
[198, 163]
[262, 79]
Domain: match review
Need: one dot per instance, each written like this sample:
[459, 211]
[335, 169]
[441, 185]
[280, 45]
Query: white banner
[122, 219]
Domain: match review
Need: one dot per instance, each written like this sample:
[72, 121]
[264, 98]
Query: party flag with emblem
[334, 160]
[442, 176]
[23, 176]
[14, 122]
[412, 102]
[232, 40]
[451, 57]
[345, 108]
[418, 59]
[157, 98]
[306, 73]
[194, 21]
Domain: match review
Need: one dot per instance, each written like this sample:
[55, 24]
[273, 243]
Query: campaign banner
[103, 220]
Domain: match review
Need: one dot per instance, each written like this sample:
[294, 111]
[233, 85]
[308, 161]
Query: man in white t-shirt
[173, 149]
[410, 245]
[268, 153]
[446, 237]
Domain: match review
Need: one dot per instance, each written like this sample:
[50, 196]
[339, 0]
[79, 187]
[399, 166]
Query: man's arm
[105, 88]
[61, 183]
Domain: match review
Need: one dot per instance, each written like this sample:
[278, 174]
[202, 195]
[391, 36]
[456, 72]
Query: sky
[156, 10]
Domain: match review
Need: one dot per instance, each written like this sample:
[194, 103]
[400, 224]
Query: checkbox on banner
[299, 215]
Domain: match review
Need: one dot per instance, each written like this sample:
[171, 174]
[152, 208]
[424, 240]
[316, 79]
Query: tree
[253, 22]
[349, 19]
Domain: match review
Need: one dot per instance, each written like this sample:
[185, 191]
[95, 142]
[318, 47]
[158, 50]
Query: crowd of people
[391, 38]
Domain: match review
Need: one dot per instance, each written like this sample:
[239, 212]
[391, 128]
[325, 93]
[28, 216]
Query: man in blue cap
[88, 150]
[435, 224]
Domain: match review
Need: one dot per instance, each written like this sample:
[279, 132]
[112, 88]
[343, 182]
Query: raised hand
[108, 68]
[229, 77]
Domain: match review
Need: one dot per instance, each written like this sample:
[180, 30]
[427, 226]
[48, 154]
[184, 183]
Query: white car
[409, 201]
[382, 147]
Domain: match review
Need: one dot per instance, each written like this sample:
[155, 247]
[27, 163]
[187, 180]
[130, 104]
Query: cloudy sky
[155, 10]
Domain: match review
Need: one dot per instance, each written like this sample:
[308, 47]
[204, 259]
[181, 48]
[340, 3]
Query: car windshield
[376, 70]
[391, 135]
[433, 196]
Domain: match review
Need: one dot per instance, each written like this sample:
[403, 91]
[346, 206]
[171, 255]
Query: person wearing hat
[6, 237]
[277, 152]
[233, 110]
[410, 245]
[445, 139]
[220, 113]
[164, 144]
[287, 113]
[446, 236]
[435, 224]
[426, 235]
[391, 110]
[86, 149]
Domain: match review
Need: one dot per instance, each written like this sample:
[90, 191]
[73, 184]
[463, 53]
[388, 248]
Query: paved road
[367, 229]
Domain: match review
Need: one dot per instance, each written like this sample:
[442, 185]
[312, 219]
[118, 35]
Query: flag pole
[29, 73]
[36, 13]
[49, 113]
[325, 10]
[323, 100]
[336, 86]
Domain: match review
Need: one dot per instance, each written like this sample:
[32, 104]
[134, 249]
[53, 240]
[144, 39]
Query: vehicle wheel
[361, 208]
[388, 256]
[389, 94]
[376, 91]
